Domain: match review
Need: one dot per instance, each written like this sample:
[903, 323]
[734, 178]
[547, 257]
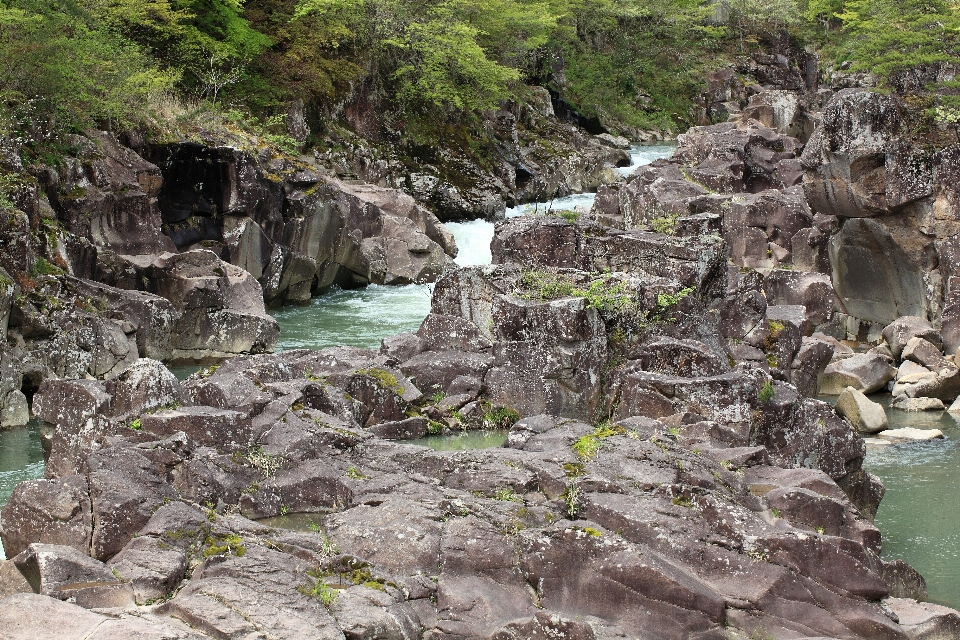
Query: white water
[363, 317]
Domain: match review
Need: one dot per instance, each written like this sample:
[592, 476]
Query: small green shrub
[135, 425]
[499, 418]
[588, 445]
[766, 393]
[354, 474]
[506, 494]
[667, 225]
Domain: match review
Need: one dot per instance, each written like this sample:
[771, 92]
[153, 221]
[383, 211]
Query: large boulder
[863, 414]
[107, 194]
[899, 332]
[874, 277]
[221, 306]
[864, 372]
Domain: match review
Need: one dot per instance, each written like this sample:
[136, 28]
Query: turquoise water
[640, 155]
[355, 317]
[463, 441]
[919, 514]
[21, 458]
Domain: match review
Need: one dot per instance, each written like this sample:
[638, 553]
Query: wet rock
[863, 414]
[916, 404]
[911, 434]
[865, 373]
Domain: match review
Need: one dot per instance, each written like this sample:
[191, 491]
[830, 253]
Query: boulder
[923, 352]
[811, 290]
[863, 414]
[899, 332]
[865, 373]
[917, 404]
[67, 574]
[873, 276]
[207, 426]
[909, 434]
[925, 620]
[221, 306]
[809, 364]
[49, 511]
[852, 170]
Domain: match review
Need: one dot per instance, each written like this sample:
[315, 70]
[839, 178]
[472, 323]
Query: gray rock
[899, 332]
[873, 276]
[865, 373]
[917, 404]
[924, 620]
[924, 353]
[863, 414]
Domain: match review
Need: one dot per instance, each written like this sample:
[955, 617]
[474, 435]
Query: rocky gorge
[654, 362]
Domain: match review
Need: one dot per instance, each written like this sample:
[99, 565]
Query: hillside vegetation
[122, 64]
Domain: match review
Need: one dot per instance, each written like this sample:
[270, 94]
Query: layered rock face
[297, 232]
[649, 486]
[108, 257]
[861, 201]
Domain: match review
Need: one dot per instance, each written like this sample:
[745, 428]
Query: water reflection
[463, 440]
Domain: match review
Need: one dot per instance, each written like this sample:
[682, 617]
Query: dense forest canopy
[67, 65]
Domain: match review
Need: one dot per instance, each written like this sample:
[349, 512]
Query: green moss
[41, 267]
[587, 446]
[354, 474]
[218, 545]
[683, 501]
[384, 378]
[600, 293]
[506, 494]
[594, 533]
[574, 469]
[776, 327]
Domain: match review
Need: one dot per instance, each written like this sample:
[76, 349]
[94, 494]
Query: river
[917, 516]
[363, 317]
